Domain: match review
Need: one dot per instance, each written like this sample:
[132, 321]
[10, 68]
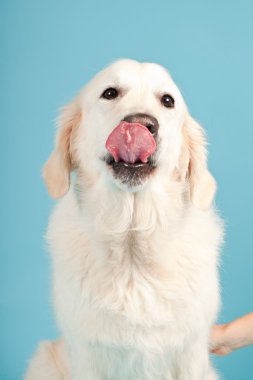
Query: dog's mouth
[131, 153]
[131, 174]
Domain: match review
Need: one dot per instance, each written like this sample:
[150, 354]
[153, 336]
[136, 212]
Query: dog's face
[130, 126]
[135, 93]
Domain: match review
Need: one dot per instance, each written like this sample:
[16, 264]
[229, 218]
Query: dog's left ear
[56, 171]
[194, 162]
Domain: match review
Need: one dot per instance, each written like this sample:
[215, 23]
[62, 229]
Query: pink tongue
[130, 142]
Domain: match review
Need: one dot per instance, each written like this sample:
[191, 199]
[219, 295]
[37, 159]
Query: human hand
[231, 336]
[219, 343]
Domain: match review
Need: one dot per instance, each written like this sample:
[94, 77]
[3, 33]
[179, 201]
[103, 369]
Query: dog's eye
[168, 101]
[110, 93]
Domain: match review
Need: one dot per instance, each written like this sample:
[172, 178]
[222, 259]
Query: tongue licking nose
[131, 143]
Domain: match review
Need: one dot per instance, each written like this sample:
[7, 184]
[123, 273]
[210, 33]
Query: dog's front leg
[194, 364]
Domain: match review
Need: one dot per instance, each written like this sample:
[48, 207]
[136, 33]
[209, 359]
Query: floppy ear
[193, 162]
[56, 171]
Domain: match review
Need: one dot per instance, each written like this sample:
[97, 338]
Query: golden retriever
[134, 239]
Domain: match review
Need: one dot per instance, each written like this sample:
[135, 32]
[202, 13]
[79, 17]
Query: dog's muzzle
[132, 146]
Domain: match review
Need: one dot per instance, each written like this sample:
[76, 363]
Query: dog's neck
[124, 226]
[110, 212]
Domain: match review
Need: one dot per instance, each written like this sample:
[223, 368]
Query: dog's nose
[150, 122]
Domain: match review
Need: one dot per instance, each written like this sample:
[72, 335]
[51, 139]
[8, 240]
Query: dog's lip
[135, 165]
[109, 159]
[130, 174]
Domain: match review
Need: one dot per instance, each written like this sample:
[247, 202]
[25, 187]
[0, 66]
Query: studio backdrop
[49, 50]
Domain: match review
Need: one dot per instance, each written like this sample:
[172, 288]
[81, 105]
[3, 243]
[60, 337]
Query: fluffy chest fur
[134, 275]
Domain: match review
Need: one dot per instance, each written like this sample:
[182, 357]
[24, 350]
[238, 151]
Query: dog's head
[130, 126]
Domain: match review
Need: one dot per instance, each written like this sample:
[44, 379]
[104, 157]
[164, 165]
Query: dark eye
[168, 101]
[110, 93]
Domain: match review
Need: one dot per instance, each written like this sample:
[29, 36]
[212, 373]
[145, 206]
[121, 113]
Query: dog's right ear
[56, 171]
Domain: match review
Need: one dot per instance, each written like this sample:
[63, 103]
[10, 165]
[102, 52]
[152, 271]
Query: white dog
[134, 240]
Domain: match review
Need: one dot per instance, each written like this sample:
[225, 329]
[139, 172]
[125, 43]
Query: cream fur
[135, 278]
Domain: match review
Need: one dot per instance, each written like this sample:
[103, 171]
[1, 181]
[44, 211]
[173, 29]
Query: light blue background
[49, 50]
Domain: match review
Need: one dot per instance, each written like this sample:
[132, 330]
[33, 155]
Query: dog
[134, 239]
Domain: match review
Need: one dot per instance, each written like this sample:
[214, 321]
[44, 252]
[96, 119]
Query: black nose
[148, 121]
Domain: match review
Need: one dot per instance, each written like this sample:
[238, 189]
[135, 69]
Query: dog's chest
[137, 292]
[154, 287]
[140, 278]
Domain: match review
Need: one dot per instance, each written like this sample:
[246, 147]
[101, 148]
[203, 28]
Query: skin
[233, 335]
